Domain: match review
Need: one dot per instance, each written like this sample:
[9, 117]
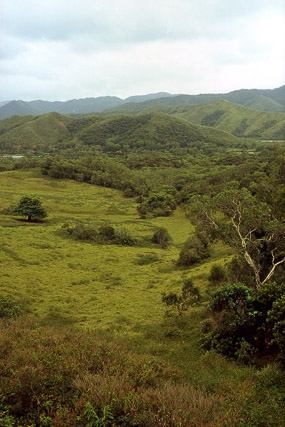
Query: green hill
[53, 131]
[20, 133]
[232, 118]
[236, 119]
[153, 131]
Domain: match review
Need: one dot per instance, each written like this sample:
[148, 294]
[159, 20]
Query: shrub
[124, 237]
[245, 325]
[161, 237]
[218, 275]
[236, 318]
[107, 231]
[276, 321]
[82, 232]
[194, 250]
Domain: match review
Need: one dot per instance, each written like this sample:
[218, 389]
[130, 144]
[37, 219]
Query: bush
[161, 237]
[194, 250]
[157, 204]
[124, 237]
[218, 275]
[107, 231]
[82, 232]
[246, 325]
[276, 322]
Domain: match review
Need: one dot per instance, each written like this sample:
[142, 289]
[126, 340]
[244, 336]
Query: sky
[70, 49]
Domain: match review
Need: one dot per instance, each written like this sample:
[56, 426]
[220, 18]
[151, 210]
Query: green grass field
[94, 285]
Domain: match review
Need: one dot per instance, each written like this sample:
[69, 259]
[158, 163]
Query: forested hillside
[153, 131]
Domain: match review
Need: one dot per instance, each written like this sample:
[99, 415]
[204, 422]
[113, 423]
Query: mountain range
[272, 100]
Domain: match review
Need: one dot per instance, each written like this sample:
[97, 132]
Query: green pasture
[106, 286]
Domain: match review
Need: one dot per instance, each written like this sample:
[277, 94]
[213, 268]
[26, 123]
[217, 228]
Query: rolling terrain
[113, 133]
[232, 118]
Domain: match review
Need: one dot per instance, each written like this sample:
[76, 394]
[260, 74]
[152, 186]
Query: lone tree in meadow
[31, 207]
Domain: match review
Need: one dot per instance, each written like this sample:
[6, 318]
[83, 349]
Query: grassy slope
[98, 285]
[102, 287]
[239, 120]
[231, 118]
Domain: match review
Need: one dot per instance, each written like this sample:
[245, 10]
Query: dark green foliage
[81, 232]
[104, 234]
[246, 325]
[157, 204]
[211, 119]
[238, 271]
[238, 299]
[218, 275]
[276, 323]
[107, 231]
[189, 297]
[235, 317]
[124, 237]
[31, 207]
[194, 250]
[161, 237]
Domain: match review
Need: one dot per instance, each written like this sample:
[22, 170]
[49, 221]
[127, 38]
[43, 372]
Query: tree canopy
[31, 207]
[247, 225]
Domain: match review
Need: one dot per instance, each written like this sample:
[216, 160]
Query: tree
[248, 226]
[31, 207]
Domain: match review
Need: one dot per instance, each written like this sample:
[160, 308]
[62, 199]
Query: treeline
[263, 174]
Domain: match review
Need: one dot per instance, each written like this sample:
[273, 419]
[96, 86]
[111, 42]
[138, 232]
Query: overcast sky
[65, 49]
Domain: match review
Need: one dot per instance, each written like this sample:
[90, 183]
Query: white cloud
[63, 49]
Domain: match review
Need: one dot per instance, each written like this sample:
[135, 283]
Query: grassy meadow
[116, 290]
[107, 286]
